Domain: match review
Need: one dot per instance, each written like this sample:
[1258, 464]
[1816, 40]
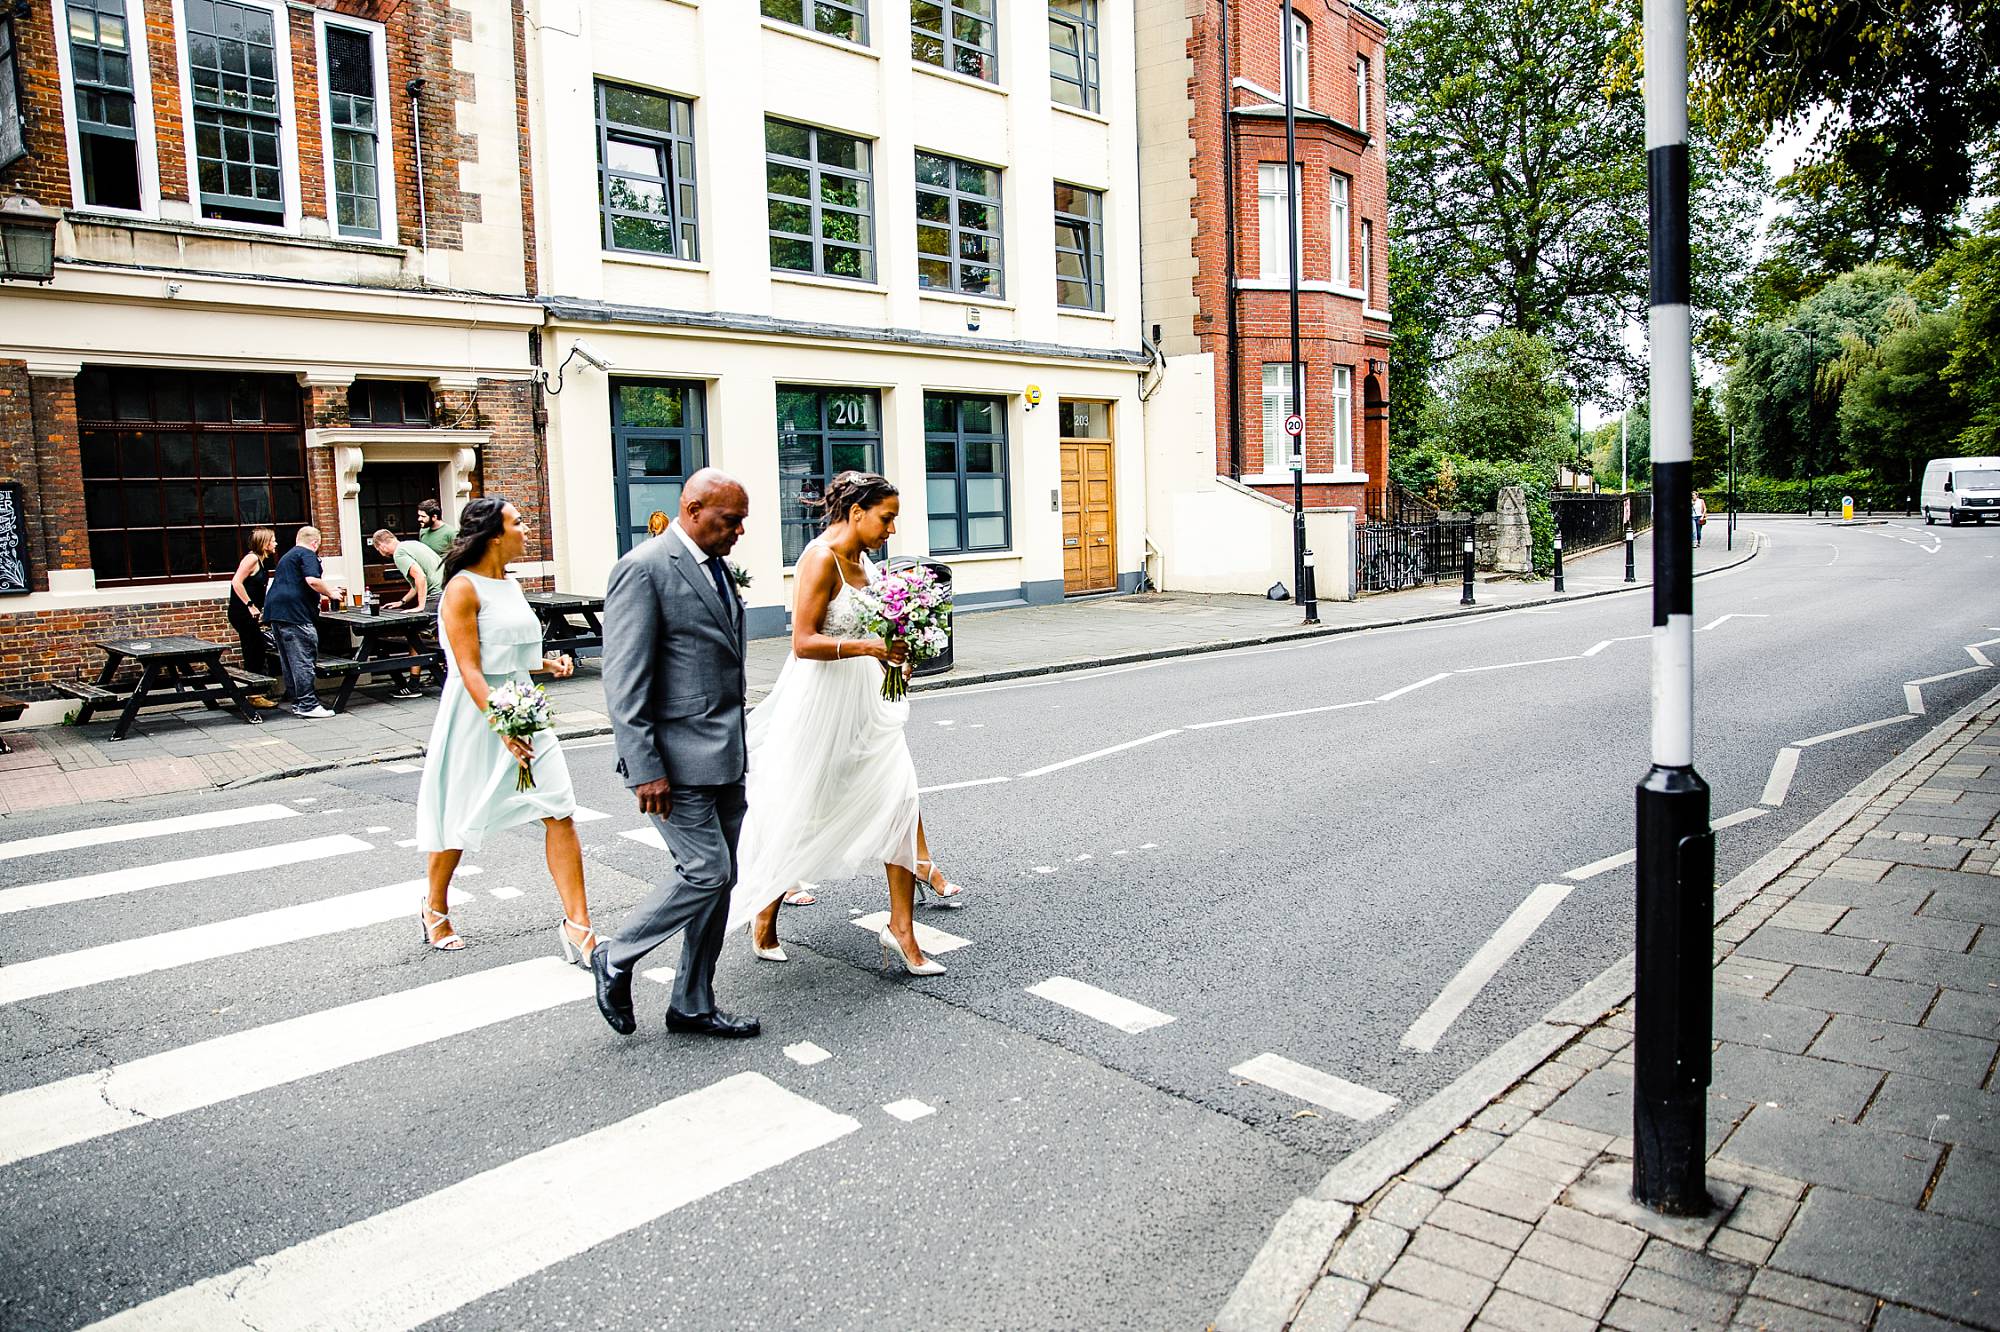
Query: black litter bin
[941, 663]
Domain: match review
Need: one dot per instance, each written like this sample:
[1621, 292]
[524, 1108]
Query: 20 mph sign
[1295, 425]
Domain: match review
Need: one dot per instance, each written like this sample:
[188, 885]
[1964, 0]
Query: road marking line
[504, 894]
[1949, 675]
[1111, 1009]
[1740, 816]
[589, 744]
[1484, 965]
[173, 1082]
[1309, 1084]
[1629, 638]
[407, 843]
[1853, 730]
[1597, 867]
[1411, 688]
[806, 1053]
[132, 832]
[110, 883]
[646, 836]
[957, 786]
[376, 828]
[1733, 615]
[909, 1108]
[1779, 784]
[1913, 699]
[659, 975]
[529, 1215]
[1510, 665]
[1101, 753]
[205, 943]
[1274, 716]
[402, 767]
[1978, 656]
[929, 939]
[583, 815]
[1054, 677]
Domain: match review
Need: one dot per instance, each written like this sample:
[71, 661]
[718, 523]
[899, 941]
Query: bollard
[1465, 598]
[1559, 561]
[1309, 590]
[1630, 575]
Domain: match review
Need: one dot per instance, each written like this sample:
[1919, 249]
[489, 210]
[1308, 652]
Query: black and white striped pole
[1559, 560]
[1465, 597]
[1672, 1005]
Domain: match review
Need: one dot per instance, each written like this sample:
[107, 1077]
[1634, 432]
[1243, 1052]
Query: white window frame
[1340, 235]
[1274, 245]
[1367, 283]
[1343, 418]
[1361, 91]
[142, 114]
[1282, 453]
[385, 157]
[1300, 51]
[288, 116]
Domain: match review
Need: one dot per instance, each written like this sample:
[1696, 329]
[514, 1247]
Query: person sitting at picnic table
[433, 530]
[419, 565]
[291, 603]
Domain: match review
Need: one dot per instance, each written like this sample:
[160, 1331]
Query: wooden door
[1089, 501]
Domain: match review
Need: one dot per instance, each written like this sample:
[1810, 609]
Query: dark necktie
[721, 579]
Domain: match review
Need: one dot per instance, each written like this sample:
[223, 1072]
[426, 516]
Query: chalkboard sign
[13, 539]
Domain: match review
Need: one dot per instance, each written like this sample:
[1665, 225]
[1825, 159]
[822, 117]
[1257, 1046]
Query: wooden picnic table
[171, 670]
[559, 632]
[390, 643]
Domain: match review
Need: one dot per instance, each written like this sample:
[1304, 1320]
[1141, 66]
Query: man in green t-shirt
[432, 529]
[418, 564]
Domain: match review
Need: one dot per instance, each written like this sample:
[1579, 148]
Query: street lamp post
[1296, 208]
[1673, 1013]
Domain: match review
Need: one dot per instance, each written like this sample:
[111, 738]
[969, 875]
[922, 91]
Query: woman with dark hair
[831, 784]
[246, 607]
[491, 637]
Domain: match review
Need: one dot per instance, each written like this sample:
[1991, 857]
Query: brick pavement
[1854, 1119]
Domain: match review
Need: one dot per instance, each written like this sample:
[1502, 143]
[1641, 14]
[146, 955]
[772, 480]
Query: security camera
[582, 348]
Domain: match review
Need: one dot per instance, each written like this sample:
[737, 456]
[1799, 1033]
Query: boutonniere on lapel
[739, 575]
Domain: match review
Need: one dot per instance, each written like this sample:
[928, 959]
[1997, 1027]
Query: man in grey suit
[674, 686]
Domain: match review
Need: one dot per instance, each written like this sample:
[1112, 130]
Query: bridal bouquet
[911, 607]
[516, 711]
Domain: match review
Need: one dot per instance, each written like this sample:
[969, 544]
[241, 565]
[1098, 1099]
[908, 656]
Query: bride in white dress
[831, 785]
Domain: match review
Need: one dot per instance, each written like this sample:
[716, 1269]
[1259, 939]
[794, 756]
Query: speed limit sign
[1295, 425]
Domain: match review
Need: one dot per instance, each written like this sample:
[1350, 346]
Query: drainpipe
[1229, 263]
[415, 88]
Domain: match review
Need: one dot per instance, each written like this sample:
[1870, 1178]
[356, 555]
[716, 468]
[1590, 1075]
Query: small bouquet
[516, 711]
[907, 606]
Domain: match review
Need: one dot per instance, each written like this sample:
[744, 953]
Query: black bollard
[1559, 561]
[1465, 598]
[1309, 589]
[1630, 575]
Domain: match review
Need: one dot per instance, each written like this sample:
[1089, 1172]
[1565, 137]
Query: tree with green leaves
[1968, 276]
[1831, 226]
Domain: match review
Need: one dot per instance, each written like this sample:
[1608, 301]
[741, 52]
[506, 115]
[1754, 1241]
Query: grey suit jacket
[673, 669]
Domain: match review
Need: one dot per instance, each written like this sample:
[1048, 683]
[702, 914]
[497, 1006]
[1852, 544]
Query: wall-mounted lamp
[27, 241]
[972, 319]
[576, 349]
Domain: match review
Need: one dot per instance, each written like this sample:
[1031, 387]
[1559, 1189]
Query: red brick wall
[41, 647]
[511, 465]
[164, 68]
[43, 175]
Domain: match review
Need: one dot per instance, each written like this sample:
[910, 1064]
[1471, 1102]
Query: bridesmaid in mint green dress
[491, 636]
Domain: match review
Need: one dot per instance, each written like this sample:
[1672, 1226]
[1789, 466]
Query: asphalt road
[1303, 886]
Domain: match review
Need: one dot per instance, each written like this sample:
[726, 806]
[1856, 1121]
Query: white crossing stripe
[583, 815]
[1977, 655]
[928, 939]
[402, 767]
[132, 832]
[203, 943]
[1100, 753]
[1779, 784]
[503, 893]
[110, 883]
[1309, 1084]
[646, 836]
[806, 1053]
[909, 1108]
[1494, 954]
[1740, 816]
[1597, 867]
[1853, 730]
[91, 1105]
[528, 1214]
[1412, 688]
[661, 975]
[1913, 699]
[1111, 1009]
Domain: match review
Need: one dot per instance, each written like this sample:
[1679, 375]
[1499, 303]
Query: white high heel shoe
[775, 953]
[946, 897]
[893, 951]
[574, 953]
[447, 943]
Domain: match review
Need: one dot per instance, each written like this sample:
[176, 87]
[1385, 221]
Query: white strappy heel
[574, 953]
[946, 897]
[450, 943]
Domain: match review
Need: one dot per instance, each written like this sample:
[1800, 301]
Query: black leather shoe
[717, 1023]
[614, 992]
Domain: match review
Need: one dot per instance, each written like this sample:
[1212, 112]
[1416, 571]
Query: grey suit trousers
[701, 828]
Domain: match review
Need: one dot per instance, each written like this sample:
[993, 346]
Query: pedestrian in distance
[1700, 516]
[674, 685]
[246, 608]
[472, 776]
[433, 530]
[832, 785]
[291, 608]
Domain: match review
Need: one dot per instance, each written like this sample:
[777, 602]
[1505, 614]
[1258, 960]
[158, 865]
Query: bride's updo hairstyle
[851, 488]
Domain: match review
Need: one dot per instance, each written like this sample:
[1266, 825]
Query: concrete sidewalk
[1853, 1116]
[193, 748]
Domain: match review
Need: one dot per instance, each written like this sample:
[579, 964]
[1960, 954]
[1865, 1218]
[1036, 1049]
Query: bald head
[713, 507]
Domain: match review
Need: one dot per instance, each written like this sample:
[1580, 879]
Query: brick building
[1211, 106]
[292, 285]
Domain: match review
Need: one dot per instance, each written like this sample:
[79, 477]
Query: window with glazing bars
[1079, 247]
[645, 171]
[233, 72]
[821, 203]
[965, 461]
[659, 438]
[100, 62]
[822, 432]
[13, 130]
[351, 119]
[958, 226]
[958, 35]
[1073, 53]
[1340, 230]
[846, 19]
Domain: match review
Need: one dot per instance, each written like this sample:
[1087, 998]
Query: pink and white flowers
[516, 711]
[911, 607]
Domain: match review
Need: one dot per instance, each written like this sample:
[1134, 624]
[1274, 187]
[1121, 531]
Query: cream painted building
[799, 245]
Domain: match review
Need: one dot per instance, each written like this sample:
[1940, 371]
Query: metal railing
[1598, 520]
[1392, 556]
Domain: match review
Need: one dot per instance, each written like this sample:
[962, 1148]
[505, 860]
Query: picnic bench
[388, 643]
[172, 670]
[559, 632]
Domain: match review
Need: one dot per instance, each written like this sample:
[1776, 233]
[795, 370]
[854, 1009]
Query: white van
[1960, 489]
